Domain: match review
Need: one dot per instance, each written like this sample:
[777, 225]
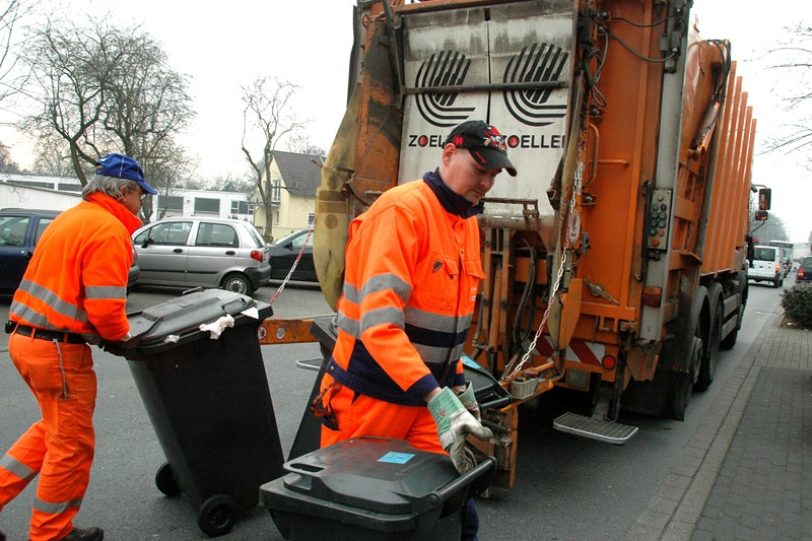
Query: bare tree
[266, 119]
[792, 60]
[52, 157]
[7, 164]
[11, 13]
[104, 89]
[303, 145]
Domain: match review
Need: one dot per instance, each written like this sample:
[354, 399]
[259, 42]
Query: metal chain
[556, 285]
[292, 267]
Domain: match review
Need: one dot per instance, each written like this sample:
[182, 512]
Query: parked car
[285, 251]
[804, 273]
[191, 251]
[20, 231]
[766, 266]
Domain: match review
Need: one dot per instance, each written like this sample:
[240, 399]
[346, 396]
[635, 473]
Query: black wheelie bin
[208, 400]
[372, 489]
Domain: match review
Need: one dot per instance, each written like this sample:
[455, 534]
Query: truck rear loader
[616, 260]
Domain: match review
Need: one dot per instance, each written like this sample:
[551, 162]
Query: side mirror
[764, 198]
[147, 242]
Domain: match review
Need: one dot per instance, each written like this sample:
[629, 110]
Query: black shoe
[88, 534]
[2, 536]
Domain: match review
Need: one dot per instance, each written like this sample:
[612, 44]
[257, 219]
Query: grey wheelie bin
[367, 489]
[208, 400]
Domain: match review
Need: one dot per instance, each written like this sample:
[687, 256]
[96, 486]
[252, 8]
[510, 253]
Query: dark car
[804, 273]
[20, 230]
[285, 251]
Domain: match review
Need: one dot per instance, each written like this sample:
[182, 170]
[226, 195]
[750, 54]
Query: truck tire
[712, 341]
[682, 384]
[730, 340]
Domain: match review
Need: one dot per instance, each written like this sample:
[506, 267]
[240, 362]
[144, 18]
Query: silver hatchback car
[187, 252]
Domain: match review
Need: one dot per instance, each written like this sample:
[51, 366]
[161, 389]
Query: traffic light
[761, 216]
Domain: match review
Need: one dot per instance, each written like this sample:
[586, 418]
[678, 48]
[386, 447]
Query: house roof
[300, 172]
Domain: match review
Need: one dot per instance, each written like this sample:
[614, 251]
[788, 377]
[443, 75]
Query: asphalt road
[567, 488]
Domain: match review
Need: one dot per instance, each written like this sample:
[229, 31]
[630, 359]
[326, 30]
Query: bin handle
[241, 300]
[465, 479]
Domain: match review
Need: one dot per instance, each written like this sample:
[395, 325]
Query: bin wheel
[217, 515]
[165, 480]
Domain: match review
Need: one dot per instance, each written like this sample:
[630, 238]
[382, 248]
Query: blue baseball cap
[120, 166]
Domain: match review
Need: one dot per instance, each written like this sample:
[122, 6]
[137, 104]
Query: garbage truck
[616, 260]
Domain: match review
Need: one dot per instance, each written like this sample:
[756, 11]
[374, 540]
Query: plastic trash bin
[209, 402]
[367, 489]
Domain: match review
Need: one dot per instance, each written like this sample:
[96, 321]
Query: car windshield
[297, 239]
[807, 263]
[764, 254]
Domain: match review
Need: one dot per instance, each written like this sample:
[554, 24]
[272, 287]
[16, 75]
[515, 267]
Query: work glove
[454, 423]
[469, 400]
[118, 347]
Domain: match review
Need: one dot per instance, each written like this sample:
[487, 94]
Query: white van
[766, 265]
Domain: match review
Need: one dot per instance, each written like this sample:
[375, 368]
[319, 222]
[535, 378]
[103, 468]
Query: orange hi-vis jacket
[77, 280]
[411, 278]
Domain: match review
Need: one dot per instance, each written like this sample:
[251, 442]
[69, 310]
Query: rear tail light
[256, 255]
[800, 272]
[608, 362]
[778, 267]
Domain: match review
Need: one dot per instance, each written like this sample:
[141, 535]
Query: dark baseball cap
[484, 142]
[120, 166]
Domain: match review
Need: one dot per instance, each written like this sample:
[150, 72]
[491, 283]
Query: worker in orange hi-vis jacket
[411, 277]
[73, 293]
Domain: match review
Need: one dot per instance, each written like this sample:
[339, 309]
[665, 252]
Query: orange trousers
[361, 415]
[60, 446]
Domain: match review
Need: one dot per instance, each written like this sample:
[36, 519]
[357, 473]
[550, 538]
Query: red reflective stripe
[543, 346]
[583, 352]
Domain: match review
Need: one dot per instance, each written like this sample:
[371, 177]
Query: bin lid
[184, 314]
[374, 474]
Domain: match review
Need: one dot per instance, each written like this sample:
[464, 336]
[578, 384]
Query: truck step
[594, 429]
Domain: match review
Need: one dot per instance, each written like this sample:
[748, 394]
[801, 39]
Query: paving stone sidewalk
[764, 488]
[747, 474]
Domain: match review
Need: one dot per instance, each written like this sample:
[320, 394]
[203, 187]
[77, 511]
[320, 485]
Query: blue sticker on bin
[396, 458]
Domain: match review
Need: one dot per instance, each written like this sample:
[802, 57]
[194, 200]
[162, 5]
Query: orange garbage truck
[616, 261]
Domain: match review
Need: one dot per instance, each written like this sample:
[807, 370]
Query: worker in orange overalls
[73, 293]
[411, 278]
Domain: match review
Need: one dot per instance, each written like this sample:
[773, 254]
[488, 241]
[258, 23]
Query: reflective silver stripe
[105, 292]
[436, 322]
[346, 324]
[431, 354]
[383, 282]
[29, 314]
[381, 316]
[52, 299]
[16, 467]
[55, 508]
[350, 293]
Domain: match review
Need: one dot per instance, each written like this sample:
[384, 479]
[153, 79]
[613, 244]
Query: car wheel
[238, 283]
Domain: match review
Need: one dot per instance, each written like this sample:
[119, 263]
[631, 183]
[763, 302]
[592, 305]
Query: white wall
[36, 198]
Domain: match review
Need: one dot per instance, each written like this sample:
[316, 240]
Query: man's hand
[454, 423]
[120, 346]
[468, 399]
